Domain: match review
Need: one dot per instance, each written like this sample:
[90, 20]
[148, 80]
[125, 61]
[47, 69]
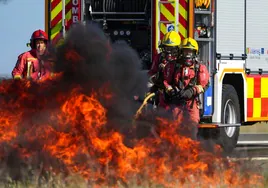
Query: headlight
[115, 32]
[122, 32]
[128, 33]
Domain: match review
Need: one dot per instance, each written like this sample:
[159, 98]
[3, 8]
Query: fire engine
[233, 41]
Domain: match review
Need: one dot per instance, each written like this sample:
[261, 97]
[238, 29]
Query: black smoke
[89, 59]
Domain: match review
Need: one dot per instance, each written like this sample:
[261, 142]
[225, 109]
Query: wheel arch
[238, 82]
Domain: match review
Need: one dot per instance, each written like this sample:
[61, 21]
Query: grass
[50, 181]
[75, 181]
[265, 174]
[264, 167]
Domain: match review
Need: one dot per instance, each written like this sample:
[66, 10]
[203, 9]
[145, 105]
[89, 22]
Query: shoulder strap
[193, 81]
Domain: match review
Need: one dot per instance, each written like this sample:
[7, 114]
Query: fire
[70, 127]
[76, 137]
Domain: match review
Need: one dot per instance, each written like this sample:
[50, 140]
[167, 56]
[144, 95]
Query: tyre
[230, 111]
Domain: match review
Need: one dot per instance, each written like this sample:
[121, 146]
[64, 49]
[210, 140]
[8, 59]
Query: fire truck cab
[231, 37]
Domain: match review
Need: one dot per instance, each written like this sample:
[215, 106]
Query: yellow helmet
[190, 43]
[171, 38]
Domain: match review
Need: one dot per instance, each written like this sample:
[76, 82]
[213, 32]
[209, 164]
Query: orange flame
[72, 130]
[79, 139]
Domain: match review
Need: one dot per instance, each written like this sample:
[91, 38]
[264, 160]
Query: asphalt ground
[252, 139]
[252, 146]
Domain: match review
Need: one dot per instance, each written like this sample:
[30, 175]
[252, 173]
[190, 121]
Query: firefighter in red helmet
[30, 64]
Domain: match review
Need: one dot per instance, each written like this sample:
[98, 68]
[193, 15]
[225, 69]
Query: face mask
[171, 53]
[188, 56]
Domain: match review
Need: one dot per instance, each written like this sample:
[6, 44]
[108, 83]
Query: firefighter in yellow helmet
[164, 65]
[170, 45]
[189, 51]
[169, 48]
[191, 78]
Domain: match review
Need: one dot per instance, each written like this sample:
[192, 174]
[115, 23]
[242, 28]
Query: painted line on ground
[249, 158]
[263, 142]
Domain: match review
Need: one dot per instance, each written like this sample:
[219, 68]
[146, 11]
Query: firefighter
[171, 40]
[163, 68]
[191, 79]
[30, 64]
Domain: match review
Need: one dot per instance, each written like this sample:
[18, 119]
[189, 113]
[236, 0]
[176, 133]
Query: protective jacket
[162, 72]
[31, 67]
[194, 79]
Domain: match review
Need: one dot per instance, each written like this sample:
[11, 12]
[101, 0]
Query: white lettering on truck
[75, 9]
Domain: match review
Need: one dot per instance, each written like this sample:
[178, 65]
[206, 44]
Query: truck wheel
[228, 136]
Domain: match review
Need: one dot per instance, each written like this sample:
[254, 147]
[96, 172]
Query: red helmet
[38, 34]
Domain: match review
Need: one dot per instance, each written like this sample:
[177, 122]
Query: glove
[169, 90]
[172, 91]
[199, 89]
[153, 79]
[161, 66]
[17, 77]
[187, 94]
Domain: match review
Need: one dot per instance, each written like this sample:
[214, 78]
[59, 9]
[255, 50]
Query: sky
[19, 18]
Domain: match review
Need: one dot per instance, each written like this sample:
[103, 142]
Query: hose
[139, 111]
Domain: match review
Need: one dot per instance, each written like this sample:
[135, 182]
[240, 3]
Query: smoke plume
[81, 122]
[89, 59]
